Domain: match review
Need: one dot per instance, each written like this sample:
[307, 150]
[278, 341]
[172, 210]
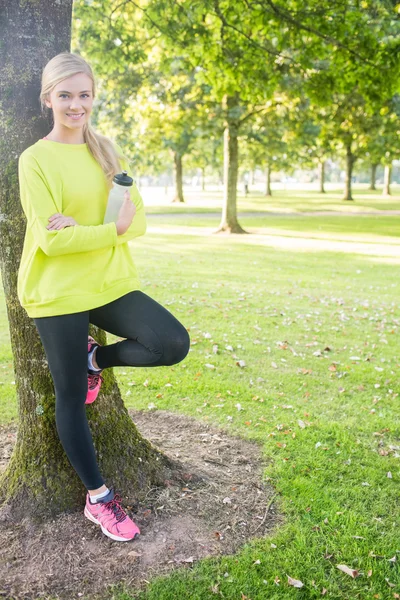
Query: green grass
[319, 333]
[281, 201]
[364, 229]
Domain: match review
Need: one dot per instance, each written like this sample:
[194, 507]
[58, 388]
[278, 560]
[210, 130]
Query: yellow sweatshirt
[82, 266]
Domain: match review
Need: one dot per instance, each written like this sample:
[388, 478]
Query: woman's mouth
[75, 117]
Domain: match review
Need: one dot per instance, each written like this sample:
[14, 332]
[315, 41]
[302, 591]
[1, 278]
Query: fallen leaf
[295, 582]
[241, 363]
[209, 366]
[324, 591]
[301, 424]
[188, 560]
[133, 554]
[352, 572]
[274, 365]
[389, 475]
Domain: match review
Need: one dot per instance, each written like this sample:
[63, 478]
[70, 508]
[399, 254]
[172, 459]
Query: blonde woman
[74, 271]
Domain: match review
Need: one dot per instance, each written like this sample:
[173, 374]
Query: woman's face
[72, 96]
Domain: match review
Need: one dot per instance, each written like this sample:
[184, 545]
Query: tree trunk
[321, 176]
[373, 176]
[229, 220]
[252, 177]
[203, 179]
[350, 160]
[39, 479]
[387, 180]
[178, 178]
[268, 181]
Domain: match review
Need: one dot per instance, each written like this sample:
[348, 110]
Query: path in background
[321, 213]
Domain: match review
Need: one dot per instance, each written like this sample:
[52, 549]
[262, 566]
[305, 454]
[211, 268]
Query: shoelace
[115, 506]
[94, 380]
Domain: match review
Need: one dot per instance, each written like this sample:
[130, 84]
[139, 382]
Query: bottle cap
[123, 179]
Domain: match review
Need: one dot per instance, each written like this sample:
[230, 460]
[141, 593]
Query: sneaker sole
[89, 516]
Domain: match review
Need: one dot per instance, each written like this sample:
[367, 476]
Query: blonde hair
[60, 67]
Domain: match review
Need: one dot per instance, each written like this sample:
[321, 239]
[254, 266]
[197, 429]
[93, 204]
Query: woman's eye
[66, 95]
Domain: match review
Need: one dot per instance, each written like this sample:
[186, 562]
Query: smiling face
[71, 101]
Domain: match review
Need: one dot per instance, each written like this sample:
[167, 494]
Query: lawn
[284, 201]
[318, 333]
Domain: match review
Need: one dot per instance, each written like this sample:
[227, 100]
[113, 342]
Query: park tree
[206, 154]
[170, 105]
[382, 146]
[311, 138]
[349, 87]
[39, 479]
[266, 139]
[244, 51]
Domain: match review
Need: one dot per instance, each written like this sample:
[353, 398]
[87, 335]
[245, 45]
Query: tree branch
[252, 42]
[283, 14]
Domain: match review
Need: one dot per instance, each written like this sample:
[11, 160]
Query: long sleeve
[139, 225]
[39, 202]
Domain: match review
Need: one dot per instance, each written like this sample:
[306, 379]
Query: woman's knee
[177, 348]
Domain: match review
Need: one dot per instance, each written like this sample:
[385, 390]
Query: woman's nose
[75, 105]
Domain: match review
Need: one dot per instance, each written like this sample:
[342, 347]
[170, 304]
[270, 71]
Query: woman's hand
[58, 221]
[126, 214]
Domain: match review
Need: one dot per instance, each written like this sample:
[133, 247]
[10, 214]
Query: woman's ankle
[94, 362]
[99, 490]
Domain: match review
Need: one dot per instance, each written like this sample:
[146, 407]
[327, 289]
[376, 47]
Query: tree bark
[178, 178]
[229, 220]
[321, 176]
[372, 185]
[39, 480]
[350, 160]
[203, 179]
[268, 191]
[386, 180]
[252, 177]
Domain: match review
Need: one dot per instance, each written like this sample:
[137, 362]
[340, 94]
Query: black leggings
[154, 338]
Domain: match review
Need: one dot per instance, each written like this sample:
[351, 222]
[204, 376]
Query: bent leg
[154, 337]
[64, 339]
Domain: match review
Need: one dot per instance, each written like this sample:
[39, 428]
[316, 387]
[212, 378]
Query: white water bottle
[121, 183]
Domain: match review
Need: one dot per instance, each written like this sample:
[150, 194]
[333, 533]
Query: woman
[74, 271]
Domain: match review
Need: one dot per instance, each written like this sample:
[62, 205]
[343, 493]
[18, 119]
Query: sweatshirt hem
[74, 304]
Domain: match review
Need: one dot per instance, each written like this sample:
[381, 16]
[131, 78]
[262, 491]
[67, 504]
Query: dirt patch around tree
[222, 505]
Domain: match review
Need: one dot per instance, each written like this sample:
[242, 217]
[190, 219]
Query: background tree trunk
[387, 179]
[39, 479]
[252, 177]
[372, 185]
[178, 178]
[203, 179]
[268, 191]
[321, 176]
[229, 220]
[350, 160]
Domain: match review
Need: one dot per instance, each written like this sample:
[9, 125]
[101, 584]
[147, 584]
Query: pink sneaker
[113, 520]
[94, 379]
